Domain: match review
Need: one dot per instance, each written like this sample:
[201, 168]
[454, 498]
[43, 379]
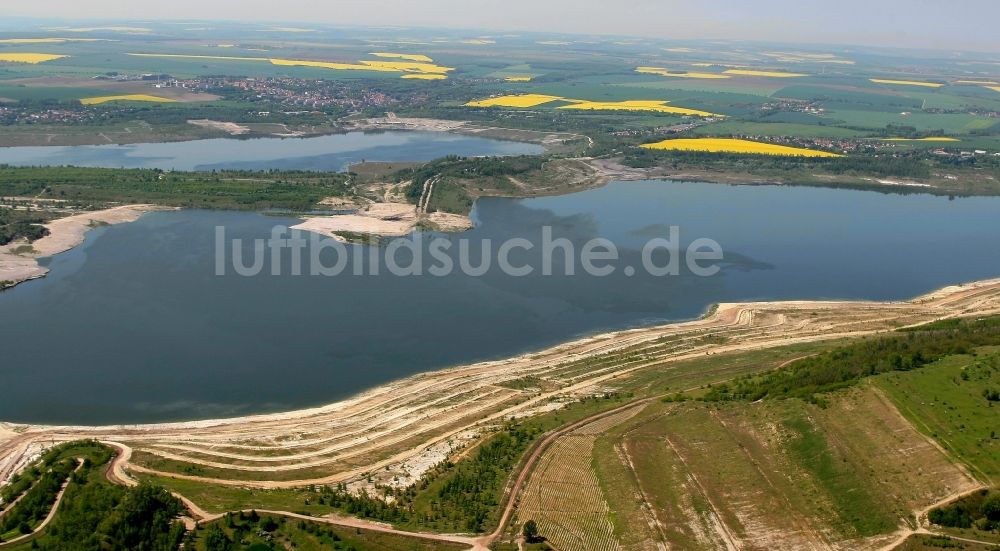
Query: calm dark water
[134, 325]
[333, 152]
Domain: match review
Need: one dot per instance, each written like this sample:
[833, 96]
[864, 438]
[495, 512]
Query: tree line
[846, 365]
[94, 514]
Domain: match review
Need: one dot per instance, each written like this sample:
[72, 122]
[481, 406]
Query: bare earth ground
[18, 261]
[230, 128]
[550, 140]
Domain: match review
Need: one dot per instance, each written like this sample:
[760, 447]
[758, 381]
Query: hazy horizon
[890, 23]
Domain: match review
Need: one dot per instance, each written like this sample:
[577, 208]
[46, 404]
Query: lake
[334, 152]
[134, 325]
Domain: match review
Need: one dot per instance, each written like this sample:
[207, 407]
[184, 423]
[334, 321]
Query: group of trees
[485, 171]
[845, 365]
[363, 504]
[238, 527]
[17, 225]
[469, 495]
[232, 189]
[980, 510]
[94, 514]
[459, 496]
[37, 500]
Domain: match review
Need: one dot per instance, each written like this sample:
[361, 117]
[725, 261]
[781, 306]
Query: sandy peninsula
[385, 220]
[398, 426]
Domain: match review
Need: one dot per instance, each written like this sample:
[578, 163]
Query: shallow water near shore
[134, 325]
[334, 152]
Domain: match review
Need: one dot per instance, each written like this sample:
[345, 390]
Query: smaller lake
[322, 153]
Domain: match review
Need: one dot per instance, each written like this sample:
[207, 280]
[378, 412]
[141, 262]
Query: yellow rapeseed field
[994, 88]
[753, 73]
[637, 105]
[986, 83]
[329, 65]
[727, 145]
[686, 74]
[928, 139]
[409, 67]
[527, 100]
[410, 57]
[405, 67]
[18, 57]
[192, 56]
[424, 76]
[126, 97]
[518, 79]
[906, 82]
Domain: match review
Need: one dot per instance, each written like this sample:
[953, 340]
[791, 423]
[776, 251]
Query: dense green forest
[37, 497]
[94, 513]
[231, 189]
[845, 365]
[463, 168]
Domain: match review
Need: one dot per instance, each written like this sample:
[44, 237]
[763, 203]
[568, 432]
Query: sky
[934, 24]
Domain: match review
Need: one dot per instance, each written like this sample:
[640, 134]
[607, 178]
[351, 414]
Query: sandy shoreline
[723, 310]
[19, 260]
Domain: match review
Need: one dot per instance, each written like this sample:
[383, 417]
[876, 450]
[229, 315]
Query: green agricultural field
[849, 97]
[695, 474]
[725, 128]
[39, 93]
[742, 88]
[951, 123]
[958, 98]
